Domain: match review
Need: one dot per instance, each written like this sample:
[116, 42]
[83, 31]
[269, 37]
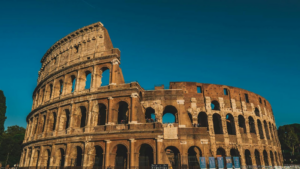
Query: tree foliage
[2, 112]
[11, 143]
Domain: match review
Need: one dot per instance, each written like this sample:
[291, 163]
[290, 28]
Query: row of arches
[262, 158]
[75, 81]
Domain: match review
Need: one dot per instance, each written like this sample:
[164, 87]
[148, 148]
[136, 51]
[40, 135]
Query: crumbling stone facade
[72, 124]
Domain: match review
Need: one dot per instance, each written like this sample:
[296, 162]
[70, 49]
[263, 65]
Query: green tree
[288, 137]
[11, 143]
[2, 112]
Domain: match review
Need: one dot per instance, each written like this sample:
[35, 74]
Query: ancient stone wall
[77, 121]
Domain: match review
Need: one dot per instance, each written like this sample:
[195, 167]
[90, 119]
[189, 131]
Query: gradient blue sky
[251, 44]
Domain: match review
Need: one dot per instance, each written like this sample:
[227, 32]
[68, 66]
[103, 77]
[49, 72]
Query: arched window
[123, 113]
[234, 153]
[202, 119]
[44, 122]
[78, 160]
[54, 121]
[61, 87]
[261, 134]
[50, 92]
[272, 158]
[145, 156]
[193, 155]
[256, 112]
[251, 125]
[150, 115]
[73, 78]
[257, 158]
[121, 157]
[98, 157]
[37, 158]
[83, 116]
[215, 105]
[248, 157]
[174, 156]
[230, 124]
[67, 119]
[266, 158]
[61, 157]
[102, 114]
[270, 128]
[105, 77]
[88, 79]
[217, 124]
[48, 155]
[170, 115]
[266, 130]
[242, 124]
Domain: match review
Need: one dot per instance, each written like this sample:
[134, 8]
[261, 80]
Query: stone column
[107, 153]
[89, 118]
[67, 155]
[253, 158]
[133, 118]
[57, 121]
[243, 158]
[159, 142]
[132, 141]
[94, 79]
[114, 69]
[110, 116]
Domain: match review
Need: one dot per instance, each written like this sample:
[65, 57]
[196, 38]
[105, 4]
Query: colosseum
[77, 120]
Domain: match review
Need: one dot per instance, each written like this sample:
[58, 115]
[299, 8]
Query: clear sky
[250, 44]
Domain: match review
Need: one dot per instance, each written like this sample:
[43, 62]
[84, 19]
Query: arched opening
[48, 154]
[256, 112]
[50, 92]
[67, 119]
[234, 153]
[257, 158]
[146, 156]
[193, 157]
[170, 115]
[78, 159]
[54, 121]
[272, 158]
[270, 128]
[202, 119]
[123, 113]
[83, 116]
[276, 159]
[217, 124]
[266, 130]
[61, 86]
[190, 117]
[37, 158]
[105, 77]
[98, 157]
[230, 124]
[44, 123]
[215, 105]
[242, 124]
[61, 157]
[102, 114]
[121, 157]
[221, 153]
[88, 78]
[266, 158]
[173, 155]
[261, 134]
[251, 125]
[150, 115]
[73, 78]
[248, 157]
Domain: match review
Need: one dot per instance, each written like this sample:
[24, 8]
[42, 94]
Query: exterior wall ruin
[102, 124]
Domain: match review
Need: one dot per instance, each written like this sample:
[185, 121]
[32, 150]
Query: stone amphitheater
[76, 120]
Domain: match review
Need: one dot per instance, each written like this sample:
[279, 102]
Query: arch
[60, 157]
[98, 162]
[248, 157]
[146, 156]
[105, 77]
[276, 159]
[73, 85]
[173, 155]
[270, 129]
[221, 152]
[259, 126]
[272, 158]
[257, 157]
[54, 121]
[88, 79]
[242, 124]
[102, 114]
[44, 123]
[61, 86]
[230, 124]
[266, 130]
[202, 119]
[50, 91]
[217, 124]
[68, 114]
[170, 114]
[83, 116]
[215, 105]
[150, 114]
[256, 111]
[265, 154]
[190, 117]
[123, 112]
[251, 125]
[46, 158]
[234, 153]
[121, 160]
[194, 153]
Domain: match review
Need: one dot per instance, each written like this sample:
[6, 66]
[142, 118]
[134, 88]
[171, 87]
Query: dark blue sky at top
[248, 44]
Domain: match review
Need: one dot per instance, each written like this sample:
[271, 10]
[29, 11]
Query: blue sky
[249, 44]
